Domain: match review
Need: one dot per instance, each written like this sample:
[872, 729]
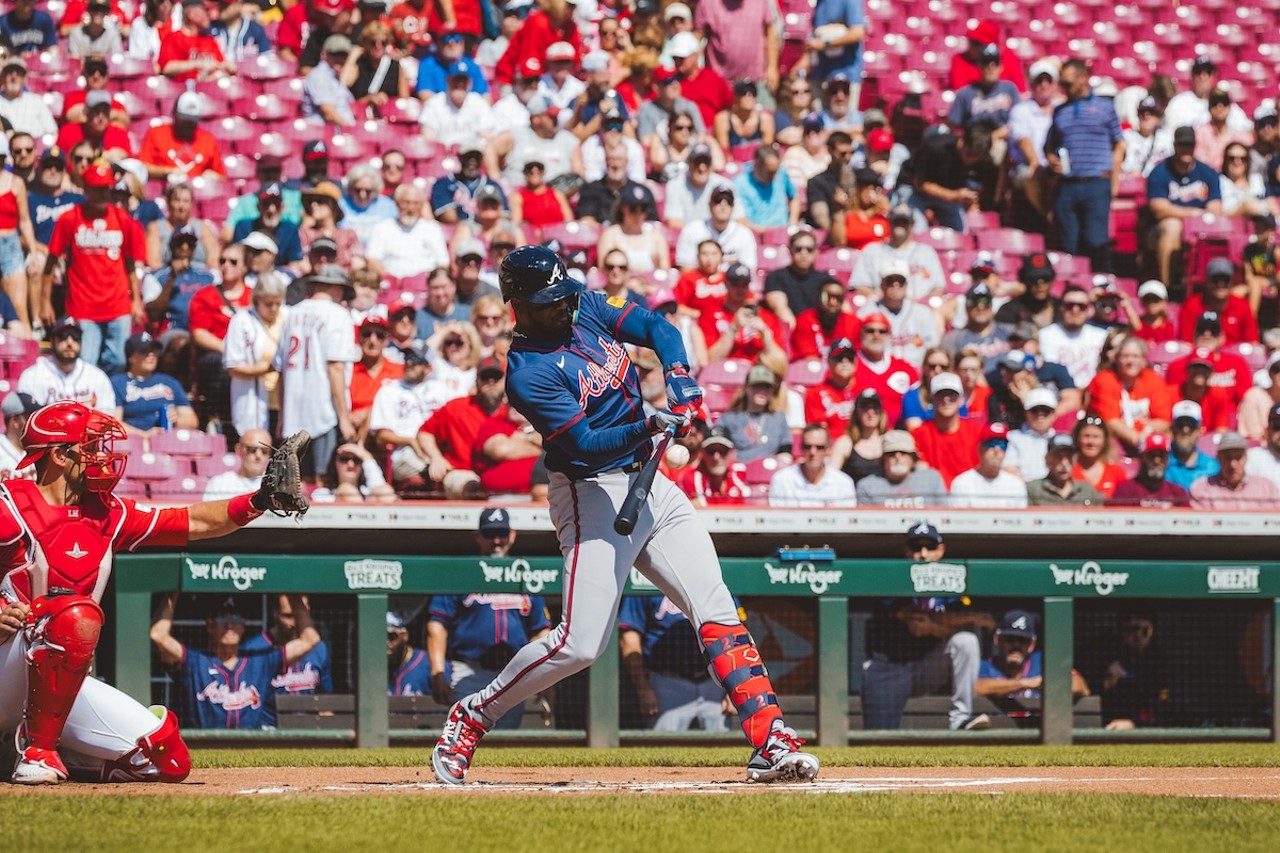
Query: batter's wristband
[240, 510]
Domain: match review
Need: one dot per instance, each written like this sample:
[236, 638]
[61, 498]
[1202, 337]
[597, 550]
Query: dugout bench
[369, 717]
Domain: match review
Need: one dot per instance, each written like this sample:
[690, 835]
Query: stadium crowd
[224, 221]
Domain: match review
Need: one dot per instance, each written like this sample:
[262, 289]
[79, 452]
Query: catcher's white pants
[104, 724]
[669, 547]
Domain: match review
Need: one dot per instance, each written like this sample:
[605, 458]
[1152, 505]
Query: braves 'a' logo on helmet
[536, 274]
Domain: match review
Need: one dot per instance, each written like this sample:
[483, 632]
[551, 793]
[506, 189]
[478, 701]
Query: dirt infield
[276, 782]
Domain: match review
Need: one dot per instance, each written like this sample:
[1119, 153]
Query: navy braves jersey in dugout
[582, 393]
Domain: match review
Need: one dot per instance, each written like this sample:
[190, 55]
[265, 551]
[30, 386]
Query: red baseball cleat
[451, 759]
[38, 766]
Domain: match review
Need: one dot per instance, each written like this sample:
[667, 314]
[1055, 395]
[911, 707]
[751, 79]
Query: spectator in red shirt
[1131, 397]
[101, 247]
[305, 27]
[966, 67]
[891, 377]
[703, 289]
[371, 372]
[1230, 370]
[551, 22]
[1155, 326]
[739, 328]
[698, 83]
[449, 435]
[1149, 488]
[1216, 411]
[189, 52]
[831, 403]
[208, 316]
[97, 130]
[96, 76]
[182, 149]
[948, 443]
[818, 327]
[1233, 312]
[507, 454]
[717, 478]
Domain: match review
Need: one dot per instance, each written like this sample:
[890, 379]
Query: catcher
[58, 534]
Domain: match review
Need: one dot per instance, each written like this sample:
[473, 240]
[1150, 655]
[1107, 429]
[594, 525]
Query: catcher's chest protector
[66, 546]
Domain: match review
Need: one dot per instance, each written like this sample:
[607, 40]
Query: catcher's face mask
[103, 464]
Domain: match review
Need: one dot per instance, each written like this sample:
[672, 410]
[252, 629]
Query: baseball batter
[58, 535]
[569, 374]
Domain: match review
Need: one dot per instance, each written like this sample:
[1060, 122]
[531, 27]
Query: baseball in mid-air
[677, 456]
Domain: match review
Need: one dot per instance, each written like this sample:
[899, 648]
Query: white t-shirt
[453, 125]
[1076, 351]
[1028, 120]
[1026, 452]
[316, 332]
[737, 242]
[686, 203]
[405, 252]
[1261, 462]
[926, 270]
[789, 487]
[46, 383]
[228, 484]
[1187, 110]
[593, 159]
[556, 154]
[402, 408]
[248, 343]
[446, 382]
[509, 113]
[563, 97]
[914, 329]
[971, 490]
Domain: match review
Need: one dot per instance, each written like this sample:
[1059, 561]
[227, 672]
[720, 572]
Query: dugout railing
[830, 586]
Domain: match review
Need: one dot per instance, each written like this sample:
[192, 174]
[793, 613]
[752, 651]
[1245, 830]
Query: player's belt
[630, 468]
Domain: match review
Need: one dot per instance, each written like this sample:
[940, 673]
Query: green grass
[652, 824]
[1108, 755]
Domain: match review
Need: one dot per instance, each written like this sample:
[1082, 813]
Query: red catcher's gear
[63, 633]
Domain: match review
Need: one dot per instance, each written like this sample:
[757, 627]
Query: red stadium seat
[1162, 355]
[806, 372]
[16, 355]
[1254, 354]
[211, 466]
[265, 67]
[188, 443]
[759, 472]
[573, 235]
[1009, 240]
[150, 467]
[838, 262]
[721, 380]
[944, 239]
[772, 258]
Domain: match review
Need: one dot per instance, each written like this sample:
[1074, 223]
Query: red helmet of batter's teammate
[68, 422]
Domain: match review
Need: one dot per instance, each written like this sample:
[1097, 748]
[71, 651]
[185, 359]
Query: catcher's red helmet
[69, 422]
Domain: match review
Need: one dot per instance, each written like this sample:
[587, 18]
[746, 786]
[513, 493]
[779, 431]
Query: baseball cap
[1209, 322]
[865, 177]
[14, 61]
[490, 366]
[1265, 113]
[1157, 441]
[494, 521]
[718, 436]
[745, 86]
[560, 51]
[223, 605]
[880, 140]
[402, 303]
[98, 175]
[1038, 398]
[415, 352]
[66, 326]
[260, 242]
[489, 192]
[677, 10]
[738, 272]
[1150, 105]
[682, 45]
[873, 118]
[1203, 63]
[395, 622]
[189, 107]
[923, 532]
[1202, 356]
[596, 60]
[990, 55]
[636, 195]
[471, 247]
[1035, 267]
[983, 262]
[323, 244]
[272, 190]
[877, 318]
[1232, 440]
[868, 398]
[894, 268]
[1153, 287]
[17, 403]
[946, 382]
[898, 441]
[1024, 331]
[97, 98]
[842, 346]
[337, 43]
[978, 291]
[665, 74]
[373, 321]
[1105, 284]
[140, 341]
[721, 193]
[53, 157]
[530, 68]
[1016, 359]
[700, 151]
[901, 213]
[1184, 136]
[984, 32]
[1061, 441]
[993, 432]
[182, 236]
[1017, 623]
[812, 122]
[457, 71]
[470, 145]
[539, 105]
[1043, 68]
[1187, 410]
[332, 274]
[1219, 98]
[315, 150]
[759, 375]
[1220, 268]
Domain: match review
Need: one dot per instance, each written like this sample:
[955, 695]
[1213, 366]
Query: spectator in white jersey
[65, 376]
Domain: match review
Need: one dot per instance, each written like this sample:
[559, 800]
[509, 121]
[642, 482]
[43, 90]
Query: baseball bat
[625, 522]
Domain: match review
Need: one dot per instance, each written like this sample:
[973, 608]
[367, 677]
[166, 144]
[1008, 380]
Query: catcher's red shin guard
[737, 667]
[65, 633]
[166, 749]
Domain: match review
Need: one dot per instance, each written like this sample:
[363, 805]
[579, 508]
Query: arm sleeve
[636, 325]
[555, 412]
[152, 526]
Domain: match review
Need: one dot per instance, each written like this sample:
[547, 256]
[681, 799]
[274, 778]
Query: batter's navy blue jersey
[413, 678]
[583, 394]
[480, 621]
[229, 698]
[308, 674]
[667, 637]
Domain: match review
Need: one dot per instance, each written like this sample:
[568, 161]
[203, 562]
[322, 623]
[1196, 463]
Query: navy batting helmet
[536, 274]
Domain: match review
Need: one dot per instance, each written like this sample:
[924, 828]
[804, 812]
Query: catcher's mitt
[281, 489]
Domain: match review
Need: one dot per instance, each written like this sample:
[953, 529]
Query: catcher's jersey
[71, 547]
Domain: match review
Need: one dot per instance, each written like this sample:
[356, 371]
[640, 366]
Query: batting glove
[662, 421]
[682, 391]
